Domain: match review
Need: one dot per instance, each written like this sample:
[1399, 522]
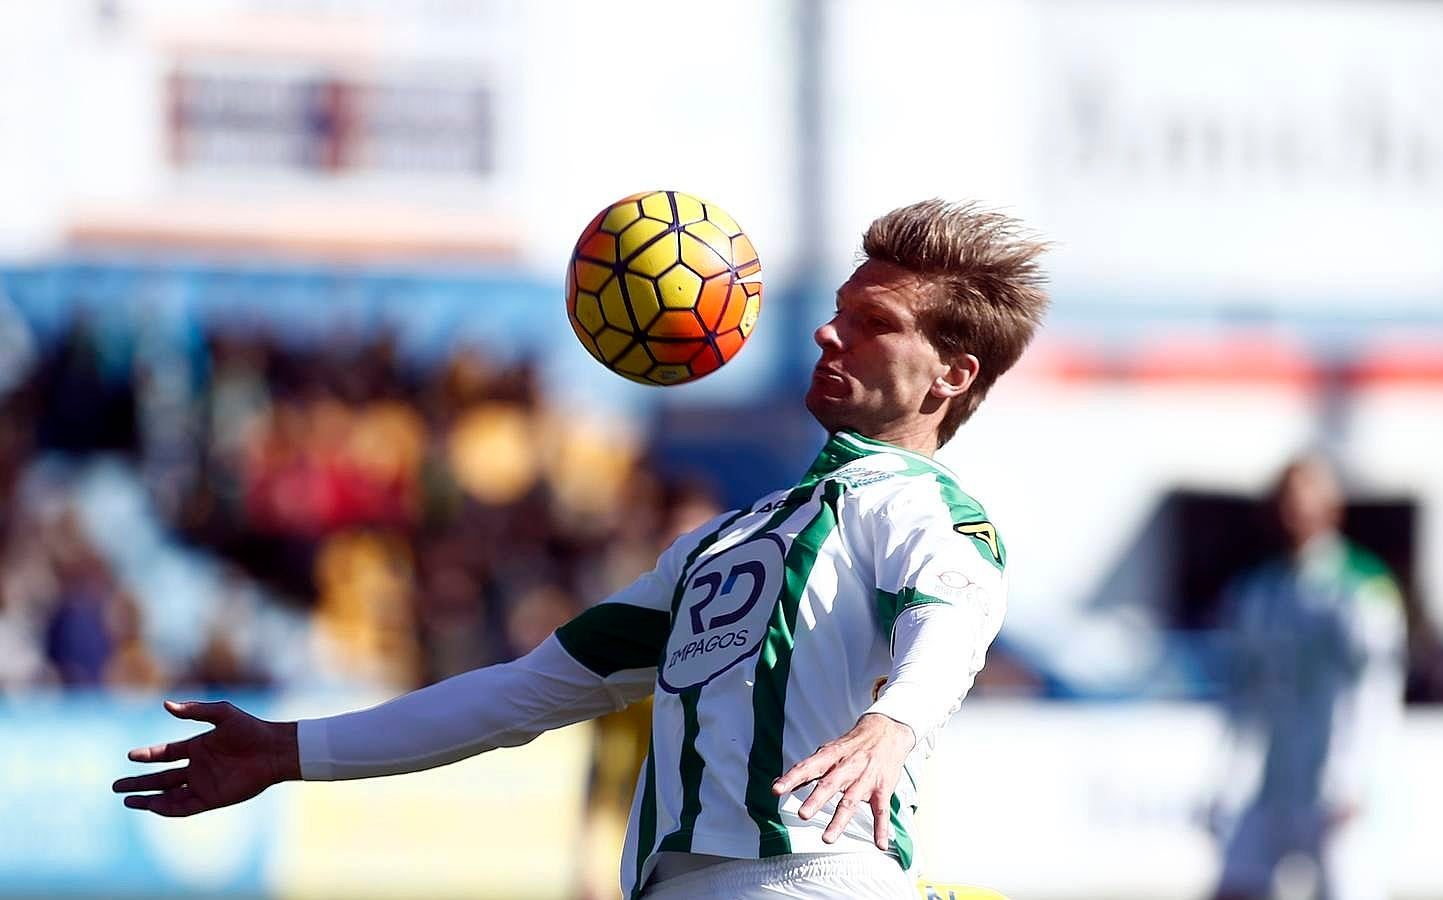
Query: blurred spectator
[1318, 689]
[131, 666]
[454, 609]
[365, 611]
[81, 634]
[89, 403]
[491, 453]
[535, 613]
[27, 589]
[221, 667]
[17, 347]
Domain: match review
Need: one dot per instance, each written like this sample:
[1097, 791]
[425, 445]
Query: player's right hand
[234, 761]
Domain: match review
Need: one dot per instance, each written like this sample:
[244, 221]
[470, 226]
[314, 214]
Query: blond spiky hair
[988, 299]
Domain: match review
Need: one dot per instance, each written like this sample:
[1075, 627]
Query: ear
[957, 379]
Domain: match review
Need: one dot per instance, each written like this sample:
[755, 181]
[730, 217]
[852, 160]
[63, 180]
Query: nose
[826, 336]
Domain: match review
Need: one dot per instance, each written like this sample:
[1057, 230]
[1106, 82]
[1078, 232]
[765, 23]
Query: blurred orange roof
[346, 231]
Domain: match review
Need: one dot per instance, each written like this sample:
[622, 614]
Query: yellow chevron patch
[982, 531]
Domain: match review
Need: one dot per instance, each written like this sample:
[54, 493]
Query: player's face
[1309, 501]
[878, 371]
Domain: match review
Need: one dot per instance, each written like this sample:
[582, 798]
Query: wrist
[285, 753]
[901, 708]
[904, 735]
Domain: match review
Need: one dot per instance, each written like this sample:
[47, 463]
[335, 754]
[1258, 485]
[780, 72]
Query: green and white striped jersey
[768, 632]
[1320, 646]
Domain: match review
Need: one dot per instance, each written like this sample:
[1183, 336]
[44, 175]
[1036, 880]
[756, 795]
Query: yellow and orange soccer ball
[663, 288]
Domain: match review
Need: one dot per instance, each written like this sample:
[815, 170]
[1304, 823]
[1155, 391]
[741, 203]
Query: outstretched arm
[602, 660]
[498, 706]
[598, 662]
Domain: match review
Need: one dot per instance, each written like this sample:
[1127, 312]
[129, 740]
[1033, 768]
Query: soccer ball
[662, 288]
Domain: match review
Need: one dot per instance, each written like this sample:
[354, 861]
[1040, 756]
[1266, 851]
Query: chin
[827, 411]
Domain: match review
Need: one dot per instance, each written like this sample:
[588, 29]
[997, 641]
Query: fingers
[834, 781]
[862, 765]
[811, 768]
[848, 775]
[152, 781]
[180, 801]
[171, 752]
[214, 713]
[881, 821]
[198, 711]
[846, 808]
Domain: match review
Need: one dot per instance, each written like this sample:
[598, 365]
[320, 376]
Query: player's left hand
[863, 765]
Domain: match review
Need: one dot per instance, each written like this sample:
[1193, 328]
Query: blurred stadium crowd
[273, 514]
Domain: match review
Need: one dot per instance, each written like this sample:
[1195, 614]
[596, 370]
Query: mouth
[828, 379]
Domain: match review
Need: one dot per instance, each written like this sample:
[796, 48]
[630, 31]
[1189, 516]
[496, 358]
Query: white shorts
[812, 876]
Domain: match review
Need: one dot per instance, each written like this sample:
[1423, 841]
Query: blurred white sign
[1199, 153]
[1277, 152]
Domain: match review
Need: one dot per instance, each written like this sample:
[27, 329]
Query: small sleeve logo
[984, 532]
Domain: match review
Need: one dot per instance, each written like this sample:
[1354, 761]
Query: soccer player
[1320, 638]
[821, 636]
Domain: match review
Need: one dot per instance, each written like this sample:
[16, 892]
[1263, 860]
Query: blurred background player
[1319, 643]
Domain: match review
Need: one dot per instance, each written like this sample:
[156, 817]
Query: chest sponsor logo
[723, 613]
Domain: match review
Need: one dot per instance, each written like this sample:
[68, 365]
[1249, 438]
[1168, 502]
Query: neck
[918, 438]
[1301, 545]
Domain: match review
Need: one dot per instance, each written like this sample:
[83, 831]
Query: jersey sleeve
[927, 681]
[504, 705]
[941, 596]
[933, 544]
[597, 663]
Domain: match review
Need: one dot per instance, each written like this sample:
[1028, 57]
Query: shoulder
[1370, 576]
[894, 485]
[918, 496]
[1362, 563]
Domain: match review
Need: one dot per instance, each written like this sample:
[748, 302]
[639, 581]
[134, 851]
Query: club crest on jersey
[722, 617]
